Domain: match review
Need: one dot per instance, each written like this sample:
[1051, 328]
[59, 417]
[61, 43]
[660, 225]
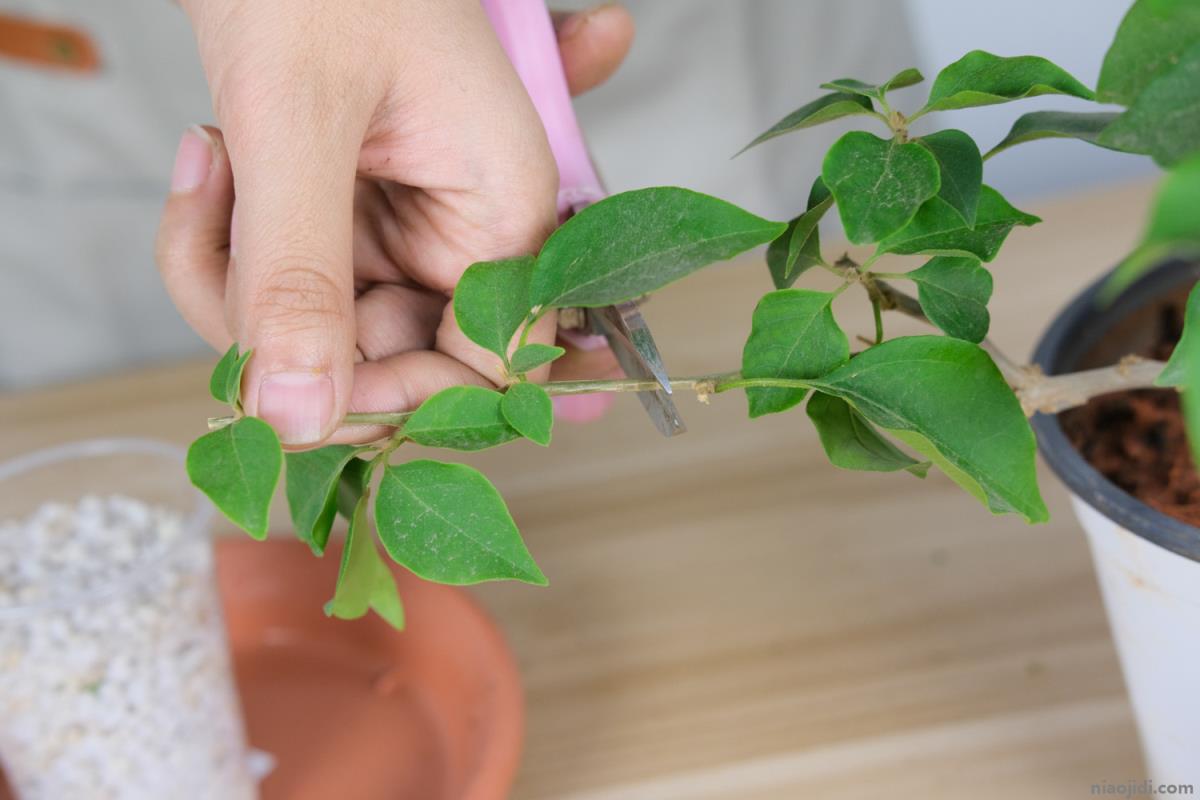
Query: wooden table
[730, 617]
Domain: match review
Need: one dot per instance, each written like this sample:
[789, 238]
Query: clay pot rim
[1072, 334]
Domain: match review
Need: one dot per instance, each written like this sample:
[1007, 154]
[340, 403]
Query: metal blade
[630, 339]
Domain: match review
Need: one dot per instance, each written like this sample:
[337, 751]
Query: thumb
[291, 274]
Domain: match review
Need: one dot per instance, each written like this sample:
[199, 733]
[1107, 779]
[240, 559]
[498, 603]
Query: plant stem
[389, 418]
[1049, 394]
[697, 382]
[1037, 392]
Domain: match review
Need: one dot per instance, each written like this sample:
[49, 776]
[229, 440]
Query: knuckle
[299, 88]
[166, 252]
[298, 297]
[523, 221]
[172, 254]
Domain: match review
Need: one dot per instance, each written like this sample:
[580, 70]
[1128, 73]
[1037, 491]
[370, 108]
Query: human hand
[376, 156]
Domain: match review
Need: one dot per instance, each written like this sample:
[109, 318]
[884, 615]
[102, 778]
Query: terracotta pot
[1147, 563]
[354, 710]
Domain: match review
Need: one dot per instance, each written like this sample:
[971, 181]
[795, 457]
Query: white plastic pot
[1148, 564]
[115, 675]
[1153, 601]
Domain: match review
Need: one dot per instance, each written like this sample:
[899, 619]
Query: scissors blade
[626, 331]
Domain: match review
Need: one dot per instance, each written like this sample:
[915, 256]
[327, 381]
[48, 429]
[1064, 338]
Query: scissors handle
[527, 34]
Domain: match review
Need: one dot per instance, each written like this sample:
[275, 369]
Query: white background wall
[705, 76]
[1072, 33]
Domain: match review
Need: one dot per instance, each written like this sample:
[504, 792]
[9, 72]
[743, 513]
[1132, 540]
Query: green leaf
[352, 485]
[1150, 41]
[851, 442]
[982, 79]
[961, 170]
[364, 582]
[312, 483]
[528, 409]
[238, 468]
[225, 385]
[793, 336]
[532, 356]
[1085, 126]
[447, 523]
[491, 301]
[636, 242]
[1185, 358]
[947, 399]
[1191, 412]
[1164, 120]
[460, 418]
[878, 183]
[798, 248]
[907, 77]
[1174, 228]
[938, 229]
[823, 109]
[954, 293]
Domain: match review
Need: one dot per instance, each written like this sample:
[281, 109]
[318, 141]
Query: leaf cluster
[903, 404]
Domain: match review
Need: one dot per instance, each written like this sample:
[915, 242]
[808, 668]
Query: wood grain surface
[730, 617]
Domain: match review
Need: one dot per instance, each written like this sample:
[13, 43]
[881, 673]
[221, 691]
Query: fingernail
[296, 404]
[193, 160]
[577, 21]
[583, 407]
[583, 341]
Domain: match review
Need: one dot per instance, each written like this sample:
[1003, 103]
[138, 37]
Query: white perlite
[115, 681]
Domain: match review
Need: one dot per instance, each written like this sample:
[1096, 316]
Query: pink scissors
[527, 35]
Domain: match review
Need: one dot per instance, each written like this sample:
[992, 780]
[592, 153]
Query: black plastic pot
[1089, 334]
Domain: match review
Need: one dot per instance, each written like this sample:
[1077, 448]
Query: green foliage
[364, 581]
[636, 242]
[531, 356]
[937, 229]
[798, 248]
[1163, 121]
[312, 480]
[942, 396]
[1191, 401]
[876, 91]
[851, 442]
[964, 417]
[878, 183]
[1174, 228]
[1185, 358]
[460, 418]
[953, 293]
[447, 523]
[353, 482]
[824, 109]
[1183, 370]
[225, 385]
[1150, 42]
[980, 79]
[529, 411]
[793, 335]
[1085, 126]
[961, 168]
[492, 300]
[238, 468]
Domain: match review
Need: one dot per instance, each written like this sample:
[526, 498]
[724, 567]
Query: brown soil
[1137, 439]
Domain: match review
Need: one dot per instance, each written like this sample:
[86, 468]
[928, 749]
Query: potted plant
[948, 400]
